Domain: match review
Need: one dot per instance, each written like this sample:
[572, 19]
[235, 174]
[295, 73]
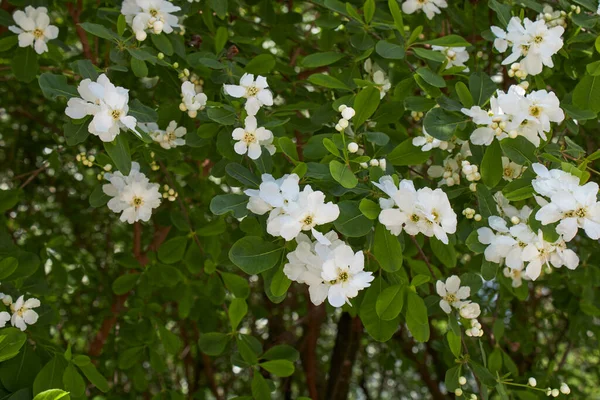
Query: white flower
[281, 193]
[4, 318]
[540, 253]
[429, 7]
[452, 293]
[510, 170]
[449, 172]
[256, 92]
[173, 136]
[379, 78]
[470, 310]
[22, 313]
[576, 208]
[91, 94]
[150, 16]
[456, 56]
[132, 195]
[440, 218]
[548, 183]
[344, 272]
[309, 211]
[428, 142]
[251, 138]
[192, 101]
[34, 28]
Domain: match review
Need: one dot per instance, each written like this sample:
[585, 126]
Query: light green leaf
[254, 255]
[387, 249]
[390, 302]
[342, 174]
[491, 165]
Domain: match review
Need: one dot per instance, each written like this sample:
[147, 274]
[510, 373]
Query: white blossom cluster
[347, 114]
[330, 268]
[192, 99]
[168, 138]
[378, 76]
[154, 16]
[455, 296]
[533, 43]
[415, 211]
[107, 103]
[515, 114]
[572, 205]
[456, 56]
[22, 312]
[256, 92]
[429, 7]
[133, 195]
[290, 209]
[34, 29]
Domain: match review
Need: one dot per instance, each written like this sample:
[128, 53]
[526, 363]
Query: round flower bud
[549, 392]
[450, 181]
[343, 123]
[338, 127]
[342, 107]
[158, 27]
[462, 381]
[141, 35]
[515, 220]
[383, 163]
[565, 389]
[473, 396]
[182, 107]
[107, 167]
[470, 311]
[374, 163]
[364, 165]
[477, 217]
[192, 114]
[555, 393]
[451, 53]
[532, 382]
[473, 187]
[160, 56]
[186, 72]
[458, 392]
[175, 65]
[513, 134]
[348, 112]
[352, 147]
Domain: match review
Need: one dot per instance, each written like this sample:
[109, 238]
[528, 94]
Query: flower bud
[532, 382]
[565, 389]
[158, 27]
[515, 220]
[477, 217]
[342, 107]
[348, 113]
[141, 35]
[555, 393]
[175, 65]
[192, 114]
[513, 134]
[462, 381]
[338, 127]
[458, 392]
[364, 165]
[343, 123]
[182, 107]
[374, 163]
[352, 147]
[160, 56]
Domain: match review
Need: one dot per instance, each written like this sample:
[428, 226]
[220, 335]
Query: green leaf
[448, 41]
[76, 134]
[416, 317]
[125, 283]
[224, 116]
[25, 64]
[389, 50]
[491, 165]
[173, 250]
[444, 252]
[141, 112]
[282, 352]
[369, 208]
[463, 94]
[407, 154]
[53, 394]
[369, 10]
[327, 81]
[221, 38]
[236, 285]
[254, 255]
[242, 175]
[502, 11]
[441, 124]
[7, 43]
[431, 77]
[100, 31]
[482, 87]
[162, 43]
[488, 270]
[519, 150]
[321, 59]
[352, 222]
[170, 341]
[587, 93]
[390, 302]
[281, 368]
[486, 203]
[387, 249]
[260, 387]
[224, 203]
[98, 198]
[219, 7]
[288, 147]
[261, 64]
[9, 199]
[95, 378]
[8, 265]
[54, 86]
[343, 174]
[121, 25]
[213, 343]
[50, 376]
[118, 150]
[280, 283]
[139, 67]
[432, 55]
[482, 373]
[397, 16]
[73, 381]
[237, 311]
[11, 341]
[454, 343]
[451, 378]
[378, 329]
[365, 104]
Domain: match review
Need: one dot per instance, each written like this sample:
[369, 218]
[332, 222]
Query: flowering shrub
[299, 199]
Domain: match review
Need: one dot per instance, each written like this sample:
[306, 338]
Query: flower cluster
[329, 267]
[167, 139]
[574, 205]
[255, 92]
[515, 114]
[133, 195]
[192, 99]
[290, 209]
[456, 56]
[34, 28]
[22, 312]
[347, 114]
[250, 138]
[415, 211]
[377, 75]
[107, 103]
[429, 7]
[153, 16]
[455, 296]
[534, 43]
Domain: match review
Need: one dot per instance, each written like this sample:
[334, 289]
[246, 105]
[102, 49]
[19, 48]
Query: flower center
[538, 39]
[249, 137]
[415, 218]
[508, 172]
[436, 215]
[522, 244]
[581, 212]
[38, 33]
[171, 136]
[343, 276]
[450, 298]
[137, 202]
[251, 91]
[308, 220]
[535, 111]
[524, 49]
[153, 12]
[116, 114]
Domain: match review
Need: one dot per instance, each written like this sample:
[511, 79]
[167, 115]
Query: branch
[316, 316]
[347, 343]
[75, 12]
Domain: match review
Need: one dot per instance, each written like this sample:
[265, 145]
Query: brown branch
[305, 74]
[310, 361]
[424, 257]
[347, 343]
[75, 12]
[34, 174]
